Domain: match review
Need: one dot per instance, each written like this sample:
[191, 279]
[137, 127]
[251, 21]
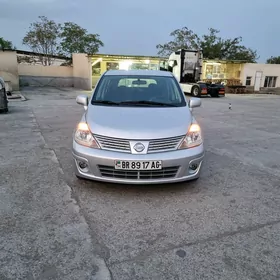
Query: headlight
[193, 138]
[84, 137]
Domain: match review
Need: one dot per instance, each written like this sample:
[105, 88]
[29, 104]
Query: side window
[270, 81]
[122, 82]
[125, 82]
[129, 82]
[149, 82]
[103, 89]
[172, 91]
[248, 80]
[176, 94]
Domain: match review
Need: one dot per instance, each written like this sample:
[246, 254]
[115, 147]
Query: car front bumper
[177, 166]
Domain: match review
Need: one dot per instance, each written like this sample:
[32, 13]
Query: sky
[136, 27]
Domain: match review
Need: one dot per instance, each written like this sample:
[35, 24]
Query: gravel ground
[224, 226]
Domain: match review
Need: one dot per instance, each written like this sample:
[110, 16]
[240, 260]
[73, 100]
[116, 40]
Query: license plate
[138, 165]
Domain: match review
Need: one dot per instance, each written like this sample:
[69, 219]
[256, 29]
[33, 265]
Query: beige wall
[82, 71]
[39, 75]
[250, 69]
[9, 68]
[48, 71]
[79, 75]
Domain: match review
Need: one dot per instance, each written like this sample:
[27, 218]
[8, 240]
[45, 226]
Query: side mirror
[82, 100]
[194, 102]
[171, 63]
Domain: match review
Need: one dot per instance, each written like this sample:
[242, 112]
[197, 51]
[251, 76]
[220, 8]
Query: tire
[195, 91]
[5, 111]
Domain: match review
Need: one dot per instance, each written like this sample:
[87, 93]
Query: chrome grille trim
[123, 145]
[164, 144]
[113, 144]
[111, 172]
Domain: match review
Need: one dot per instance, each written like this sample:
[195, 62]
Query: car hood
[138, 122]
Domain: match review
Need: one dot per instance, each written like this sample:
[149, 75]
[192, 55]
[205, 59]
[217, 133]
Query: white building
[260, 75]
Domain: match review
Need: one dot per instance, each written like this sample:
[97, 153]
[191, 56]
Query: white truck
[186, 66]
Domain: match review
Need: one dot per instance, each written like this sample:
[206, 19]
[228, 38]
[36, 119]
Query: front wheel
[195, 91]
[5, 111]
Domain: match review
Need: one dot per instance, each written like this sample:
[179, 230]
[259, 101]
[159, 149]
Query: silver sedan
[138, 128]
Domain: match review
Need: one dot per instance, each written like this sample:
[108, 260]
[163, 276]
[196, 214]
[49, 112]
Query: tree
[183, 38]
[6, 45]
[273, 60]
[75, 39]
[212, 45]
[43, 38]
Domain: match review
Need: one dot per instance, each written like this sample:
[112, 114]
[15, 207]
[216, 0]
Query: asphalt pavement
[224, 226]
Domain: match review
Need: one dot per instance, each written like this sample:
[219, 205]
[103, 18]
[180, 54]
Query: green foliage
[50, 38]
[273, 60]
[6, 45]
[182, 39]
[42, 38]
[213, 46]
[75, 39]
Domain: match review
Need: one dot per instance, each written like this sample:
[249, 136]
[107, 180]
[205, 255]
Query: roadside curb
[252, 94]
[256, 93]
[17, 97]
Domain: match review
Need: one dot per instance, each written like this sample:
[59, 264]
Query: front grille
[122, 145]
[114, 144]
[111, 172]
[164, 144]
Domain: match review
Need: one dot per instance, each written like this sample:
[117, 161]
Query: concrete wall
[9, 68]
[39, 75]
[250, 69]
[82, 71]
[79, 75]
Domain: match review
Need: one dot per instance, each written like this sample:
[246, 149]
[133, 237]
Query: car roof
[158, 73]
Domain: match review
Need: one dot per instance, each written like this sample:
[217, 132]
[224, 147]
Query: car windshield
[147, 91]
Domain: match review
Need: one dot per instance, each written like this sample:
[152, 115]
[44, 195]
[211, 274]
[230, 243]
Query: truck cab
[186, 66]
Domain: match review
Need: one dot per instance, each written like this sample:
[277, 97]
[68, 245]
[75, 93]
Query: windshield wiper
[106, 102]
[146, 102]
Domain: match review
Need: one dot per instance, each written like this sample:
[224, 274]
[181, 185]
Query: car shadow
[141, 189]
